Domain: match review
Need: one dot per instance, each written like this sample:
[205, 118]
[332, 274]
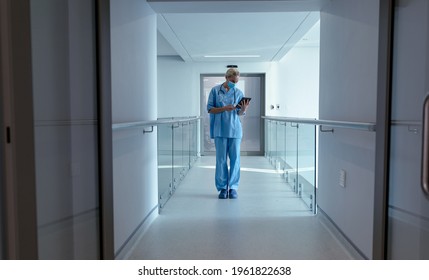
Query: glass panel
[273, 141]
[177, 155]
[307, 164]
[268, 131]
[281, 159]
[291, 155]
[65, 113]
[165, 163]
[185, 148]
[408, 225]
[267, 137]
[283, 155]
[193, 140]
[277, 144]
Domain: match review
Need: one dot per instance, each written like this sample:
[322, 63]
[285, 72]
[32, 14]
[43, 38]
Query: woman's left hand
[244, 105]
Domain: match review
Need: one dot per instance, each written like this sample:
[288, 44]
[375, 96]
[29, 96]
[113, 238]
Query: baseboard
[125, 251]
[349, 247]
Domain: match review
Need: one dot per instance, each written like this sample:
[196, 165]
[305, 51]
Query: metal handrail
[425, 148]
[406, 123]
[413, 126]
[330, 123]
[127, 125]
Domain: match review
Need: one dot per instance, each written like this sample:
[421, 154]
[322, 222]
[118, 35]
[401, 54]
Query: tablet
[243, 99]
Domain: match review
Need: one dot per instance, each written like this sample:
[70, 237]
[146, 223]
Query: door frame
[382, 145]
[104, 110]
[262, 109]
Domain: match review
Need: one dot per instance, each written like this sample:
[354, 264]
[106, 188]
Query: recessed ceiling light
[232, 56]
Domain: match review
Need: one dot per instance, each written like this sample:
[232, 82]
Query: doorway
[252, 85]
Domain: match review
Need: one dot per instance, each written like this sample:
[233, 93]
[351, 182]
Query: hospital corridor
[115, 113]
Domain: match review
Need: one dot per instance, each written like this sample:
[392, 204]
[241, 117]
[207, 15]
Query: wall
[291, 82]
[179, 83]
[297, 84]
[134, 98]
[348, 92]
[178, 88]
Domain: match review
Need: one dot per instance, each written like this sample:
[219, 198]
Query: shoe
[223, 194]
[233, 194]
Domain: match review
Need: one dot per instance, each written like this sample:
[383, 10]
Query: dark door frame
[382, 148]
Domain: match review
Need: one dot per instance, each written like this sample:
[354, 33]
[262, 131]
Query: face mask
[231, 84]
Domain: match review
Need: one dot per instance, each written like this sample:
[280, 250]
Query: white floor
[267, 221]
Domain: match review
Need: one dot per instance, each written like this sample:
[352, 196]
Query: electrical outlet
[342, 178]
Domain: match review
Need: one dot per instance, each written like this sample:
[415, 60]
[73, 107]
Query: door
[252, 85]
[408, 212]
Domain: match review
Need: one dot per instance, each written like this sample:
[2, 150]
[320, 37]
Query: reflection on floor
[267, 221]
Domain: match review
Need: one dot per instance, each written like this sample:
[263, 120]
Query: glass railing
[283, 150]
[291, 147]
[177, 150]
[306, 164]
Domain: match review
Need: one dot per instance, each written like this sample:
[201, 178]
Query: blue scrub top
[226, 124]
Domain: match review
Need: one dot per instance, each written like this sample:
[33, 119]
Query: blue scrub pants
[227, 147]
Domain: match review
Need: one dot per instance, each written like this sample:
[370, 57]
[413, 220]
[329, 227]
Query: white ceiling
[263, 30]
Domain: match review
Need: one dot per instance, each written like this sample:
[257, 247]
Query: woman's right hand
[229, 107]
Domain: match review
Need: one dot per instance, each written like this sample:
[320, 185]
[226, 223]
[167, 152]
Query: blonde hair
[232, 72]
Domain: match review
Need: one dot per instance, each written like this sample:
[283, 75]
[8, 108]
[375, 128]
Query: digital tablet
[242, 100]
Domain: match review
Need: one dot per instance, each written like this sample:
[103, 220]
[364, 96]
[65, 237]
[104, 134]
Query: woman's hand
[229, 108]
[244, 105]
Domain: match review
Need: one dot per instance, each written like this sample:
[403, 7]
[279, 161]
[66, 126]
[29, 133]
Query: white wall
[179, 84]
[292, 82]
[178, 89]
[296, 84]
[348, 92]
[134, 98]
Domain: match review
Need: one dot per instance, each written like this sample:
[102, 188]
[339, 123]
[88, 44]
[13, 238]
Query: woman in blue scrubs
[226, 130]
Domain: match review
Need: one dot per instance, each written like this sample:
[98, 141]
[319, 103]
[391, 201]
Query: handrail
[342, 124]
[406, 123]
[126, 125]
[425, 148]
[413, 126]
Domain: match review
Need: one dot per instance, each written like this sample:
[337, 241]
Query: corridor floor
[266, 222]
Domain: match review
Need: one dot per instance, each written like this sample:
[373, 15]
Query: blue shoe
[223, 194]
[233, 194]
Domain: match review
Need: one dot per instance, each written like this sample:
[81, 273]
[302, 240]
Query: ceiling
[235, 31]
